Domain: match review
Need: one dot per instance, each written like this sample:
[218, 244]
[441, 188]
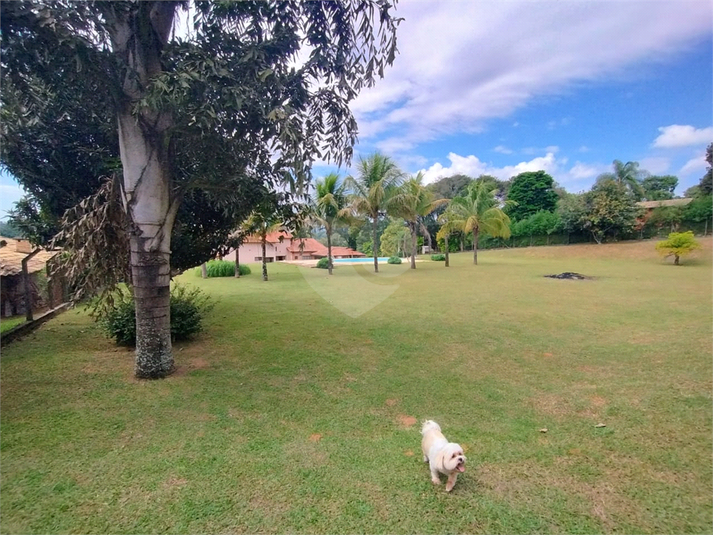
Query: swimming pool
[358, 260]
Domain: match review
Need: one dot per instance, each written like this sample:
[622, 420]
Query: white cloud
[655, 165]
[474, 167]
[502, 149]
[694, 165]
[459, 66]
[581, 171]
[677, 135]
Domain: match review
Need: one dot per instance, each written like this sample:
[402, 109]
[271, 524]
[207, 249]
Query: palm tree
[413, 201]
[628, 175]
[376, 181]
[447, 228]
[263, 220]
[329, 207]
[478, 210]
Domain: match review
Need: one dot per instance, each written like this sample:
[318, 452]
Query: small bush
[394, 260]
[438, 257]
[187, 310]
[323, 263]
[223, 268]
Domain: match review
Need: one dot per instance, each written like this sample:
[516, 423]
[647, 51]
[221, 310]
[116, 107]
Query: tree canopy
[255, 90]
[531, 192]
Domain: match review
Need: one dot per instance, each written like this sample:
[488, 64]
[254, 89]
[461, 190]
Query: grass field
[297, 409]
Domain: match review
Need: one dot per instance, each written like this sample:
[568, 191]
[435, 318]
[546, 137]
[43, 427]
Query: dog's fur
[442, 456]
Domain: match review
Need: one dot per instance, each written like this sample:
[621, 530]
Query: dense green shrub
[438, 257]
[323, 263]
[394, 260]
[187, 310]
[223, 268]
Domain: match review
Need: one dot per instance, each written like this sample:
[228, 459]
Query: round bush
[438, 257]
[187, 310]
[323, 263]
[394, 260]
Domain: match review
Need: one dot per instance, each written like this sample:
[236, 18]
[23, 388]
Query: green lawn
[291, 414]
[9, 323]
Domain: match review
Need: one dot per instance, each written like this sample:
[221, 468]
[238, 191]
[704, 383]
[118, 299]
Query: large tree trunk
[448, 262]
[414, 245]
[237, 262]
[374, 248]
[137, 39]
[152, 211]
[475, 246]
[204, 271]
[329, 250]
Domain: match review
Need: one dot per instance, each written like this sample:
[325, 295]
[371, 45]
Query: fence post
[26, 284]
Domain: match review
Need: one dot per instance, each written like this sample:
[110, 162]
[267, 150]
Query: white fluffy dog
[442, 456]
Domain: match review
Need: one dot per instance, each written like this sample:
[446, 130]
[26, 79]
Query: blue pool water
[358, 260]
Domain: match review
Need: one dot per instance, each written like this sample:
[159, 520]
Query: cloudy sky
[567, 86]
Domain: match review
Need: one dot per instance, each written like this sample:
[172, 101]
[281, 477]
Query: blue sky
[565, 86]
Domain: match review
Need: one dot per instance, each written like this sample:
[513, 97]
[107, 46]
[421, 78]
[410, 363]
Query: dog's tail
[429, 425]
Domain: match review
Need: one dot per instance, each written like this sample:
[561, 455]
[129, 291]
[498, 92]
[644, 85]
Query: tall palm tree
[413, 201]
[264, 220]
[376, 181]
[478, 210]
[329, 208]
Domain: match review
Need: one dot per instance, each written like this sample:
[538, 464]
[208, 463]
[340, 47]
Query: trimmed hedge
[438, 257]
[223, 268]
[323, 263]
[394, 260]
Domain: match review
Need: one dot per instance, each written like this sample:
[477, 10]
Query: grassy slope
[289, 415]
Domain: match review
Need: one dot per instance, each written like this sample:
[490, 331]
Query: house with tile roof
[282, 246]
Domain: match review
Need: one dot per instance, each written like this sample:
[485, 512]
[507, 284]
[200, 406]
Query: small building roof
[272, 237]
[668, 202]
[12, 254]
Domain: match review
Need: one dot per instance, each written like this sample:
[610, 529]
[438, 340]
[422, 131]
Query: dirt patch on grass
[550, 404]
[192, 364]
[407, 421]
[392, 402]
[602, 500]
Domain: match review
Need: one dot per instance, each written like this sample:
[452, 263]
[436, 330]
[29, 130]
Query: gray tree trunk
[264, 260]
[414, 245]
[475, 246]
[204, 271]
[147, 197]
[329, 250]
[447, 251]
[237, 262]
[374, 248]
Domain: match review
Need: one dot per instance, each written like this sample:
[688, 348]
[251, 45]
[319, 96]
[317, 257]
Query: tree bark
[447, 251]
[676, 260]
[475, 246]
[204, 271]
[237, 262]
[374, 248]
[329, 250]
[137, 39]
[414, 245]
[264, 260]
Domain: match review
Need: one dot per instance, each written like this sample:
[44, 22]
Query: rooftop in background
[669, 202]
[12, 254]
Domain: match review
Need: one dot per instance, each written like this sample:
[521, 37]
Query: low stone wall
[26, 328]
